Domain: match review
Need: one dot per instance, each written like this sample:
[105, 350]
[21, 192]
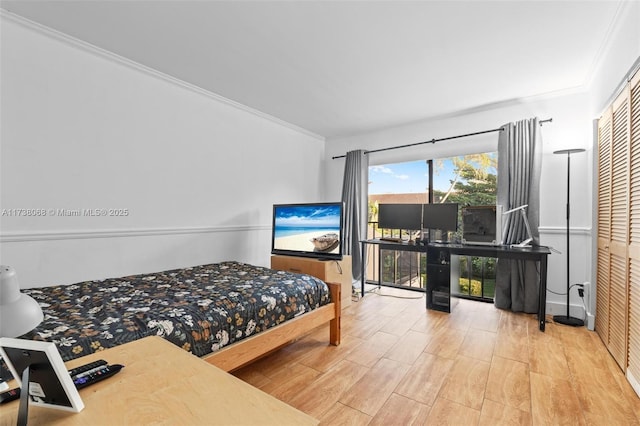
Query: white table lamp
[19, 313]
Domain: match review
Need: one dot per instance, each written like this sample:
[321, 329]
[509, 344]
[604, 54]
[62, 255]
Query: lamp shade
[19, 313]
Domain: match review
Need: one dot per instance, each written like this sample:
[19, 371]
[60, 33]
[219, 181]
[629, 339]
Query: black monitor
[443, 217]
[482, 225]
[400, 216]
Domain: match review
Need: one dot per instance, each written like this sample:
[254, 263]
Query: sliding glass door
[469, 180]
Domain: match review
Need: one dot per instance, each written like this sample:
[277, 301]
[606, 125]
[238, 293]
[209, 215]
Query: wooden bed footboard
[250, 349]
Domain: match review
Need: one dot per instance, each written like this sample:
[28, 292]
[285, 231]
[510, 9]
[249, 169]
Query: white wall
[571, 128]
[83, 129]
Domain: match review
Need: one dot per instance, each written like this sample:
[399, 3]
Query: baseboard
[591, 321]
[634, 382]
[576, 311]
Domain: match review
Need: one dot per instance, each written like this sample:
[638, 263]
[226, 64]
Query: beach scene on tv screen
[307, 228]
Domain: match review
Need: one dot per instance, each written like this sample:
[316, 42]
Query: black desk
[537, 253]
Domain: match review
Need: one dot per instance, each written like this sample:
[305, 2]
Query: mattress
[201, 308]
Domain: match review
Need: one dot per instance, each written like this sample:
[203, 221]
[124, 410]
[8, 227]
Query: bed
[228, 313]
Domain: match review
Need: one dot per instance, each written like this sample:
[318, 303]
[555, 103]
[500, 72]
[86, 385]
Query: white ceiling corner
[345, 67]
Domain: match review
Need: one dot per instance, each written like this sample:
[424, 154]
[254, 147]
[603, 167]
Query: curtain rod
[499, 129]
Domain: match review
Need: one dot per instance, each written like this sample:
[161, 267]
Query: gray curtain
[354, 196]
[519, 165]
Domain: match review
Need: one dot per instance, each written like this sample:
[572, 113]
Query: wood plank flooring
[400, 364]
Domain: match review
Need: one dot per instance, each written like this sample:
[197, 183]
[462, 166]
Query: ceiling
[339, 68]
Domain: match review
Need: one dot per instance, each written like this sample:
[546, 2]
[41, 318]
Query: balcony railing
[404, 269]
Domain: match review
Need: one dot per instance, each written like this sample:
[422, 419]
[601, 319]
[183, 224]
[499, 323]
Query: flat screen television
[400, 216]
[311, 230]
[440, 216]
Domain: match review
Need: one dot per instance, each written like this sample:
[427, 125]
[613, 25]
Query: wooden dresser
[335, 271]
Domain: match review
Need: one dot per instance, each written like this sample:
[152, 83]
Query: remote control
[9, 395]
[90, 374]
[99, 374]
[87, 367]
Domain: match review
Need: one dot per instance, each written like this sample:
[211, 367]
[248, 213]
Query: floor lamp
[568, 319]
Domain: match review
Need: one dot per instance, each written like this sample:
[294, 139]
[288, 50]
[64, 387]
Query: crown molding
[121, 60]
[621, 11]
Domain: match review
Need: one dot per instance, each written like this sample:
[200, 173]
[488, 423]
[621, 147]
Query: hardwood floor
[401, 364]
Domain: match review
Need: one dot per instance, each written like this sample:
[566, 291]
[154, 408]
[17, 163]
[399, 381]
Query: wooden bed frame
[243, 352]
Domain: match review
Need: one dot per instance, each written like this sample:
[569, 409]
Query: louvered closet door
[634, 232]
[604, 226]
[618, 258]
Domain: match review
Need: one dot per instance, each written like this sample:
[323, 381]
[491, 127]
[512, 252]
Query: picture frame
[50, 384]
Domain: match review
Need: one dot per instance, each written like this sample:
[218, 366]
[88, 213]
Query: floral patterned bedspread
[200, 309]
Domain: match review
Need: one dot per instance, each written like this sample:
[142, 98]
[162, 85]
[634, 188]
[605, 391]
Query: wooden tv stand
[335, 271]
